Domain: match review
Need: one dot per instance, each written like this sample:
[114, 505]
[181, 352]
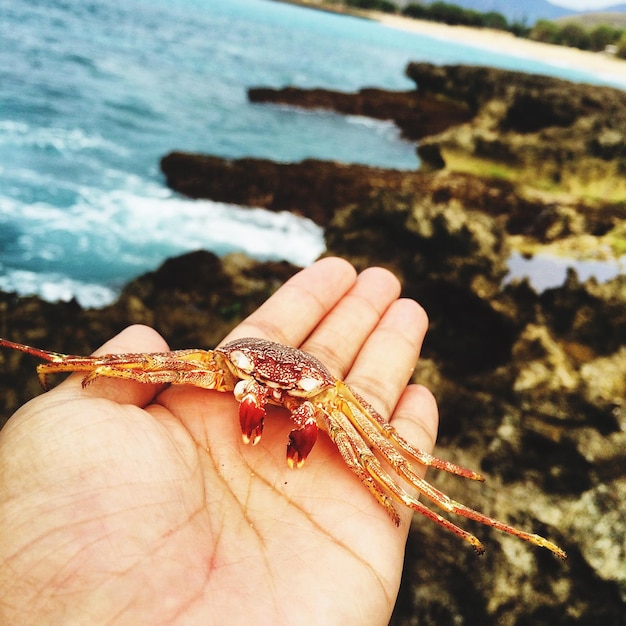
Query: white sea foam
[56, 287]
[59, 138]
[121, 234]
[141, 225]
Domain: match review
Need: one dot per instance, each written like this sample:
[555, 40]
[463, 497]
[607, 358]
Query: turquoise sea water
[93, 93]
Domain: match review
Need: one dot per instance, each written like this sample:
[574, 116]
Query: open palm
[127, 503]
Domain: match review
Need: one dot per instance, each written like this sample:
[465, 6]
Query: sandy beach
[599, 63]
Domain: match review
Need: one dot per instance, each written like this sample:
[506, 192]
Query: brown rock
[450, 259]
[547, 131]
[415, 113]
[311, 188]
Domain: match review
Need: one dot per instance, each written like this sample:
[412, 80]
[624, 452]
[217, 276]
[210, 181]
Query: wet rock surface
[416, 114]
[547, 131]
[318, 189]
[311, 188]
[531, 387]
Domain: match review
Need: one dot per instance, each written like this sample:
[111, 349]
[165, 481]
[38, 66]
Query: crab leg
[191, 367]
[452, 506]
[337, 428]
[389, 432]
[366, 424]
[367, 467]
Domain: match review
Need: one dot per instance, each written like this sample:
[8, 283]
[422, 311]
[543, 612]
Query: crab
[259, 372]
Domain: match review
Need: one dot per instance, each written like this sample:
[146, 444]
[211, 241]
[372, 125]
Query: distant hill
[589, 20]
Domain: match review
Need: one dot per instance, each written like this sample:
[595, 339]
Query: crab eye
[309, 384]
[241, 361]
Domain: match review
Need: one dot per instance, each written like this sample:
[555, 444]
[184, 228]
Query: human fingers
[338, 338]
[136, 339]
[382, 371]
[300, 304]
[416, 417]
[385, 363]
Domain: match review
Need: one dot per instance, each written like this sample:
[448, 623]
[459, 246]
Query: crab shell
[271, 372]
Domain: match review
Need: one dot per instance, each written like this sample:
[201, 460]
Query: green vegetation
[457, 16]
[621, 46]
[373, 5]
[575, 35]
[570, 34]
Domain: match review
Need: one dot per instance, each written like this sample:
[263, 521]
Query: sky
[584, 5]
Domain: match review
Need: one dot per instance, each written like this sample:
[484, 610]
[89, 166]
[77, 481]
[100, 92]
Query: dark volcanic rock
[421, 239]
[532, 101]
[311, 188]
[450, 259]
[416, 114]
[550, 130]
[317, 189]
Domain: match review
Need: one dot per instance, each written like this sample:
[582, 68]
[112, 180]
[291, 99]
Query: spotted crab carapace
[259, 372]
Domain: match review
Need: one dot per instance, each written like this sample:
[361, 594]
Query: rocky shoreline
[531, 387]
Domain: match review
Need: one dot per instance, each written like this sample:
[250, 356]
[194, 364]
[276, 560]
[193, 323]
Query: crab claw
[252, 398]
[251, 416]
[301, 442]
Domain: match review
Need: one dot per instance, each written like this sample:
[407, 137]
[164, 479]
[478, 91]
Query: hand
[129, 503]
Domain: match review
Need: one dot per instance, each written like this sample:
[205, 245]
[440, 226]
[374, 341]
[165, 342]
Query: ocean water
[94, 92]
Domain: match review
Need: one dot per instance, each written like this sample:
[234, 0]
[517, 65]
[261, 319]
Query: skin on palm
[111, 509]
[260, 372]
